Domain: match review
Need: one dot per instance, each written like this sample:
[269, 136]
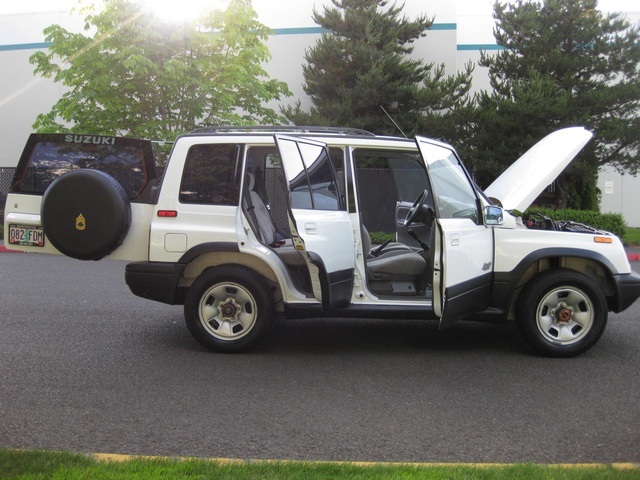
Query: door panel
[321, 228]
[465, 269]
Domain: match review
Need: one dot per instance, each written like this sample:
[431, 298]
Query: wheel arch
[509, 285]
[212, 255]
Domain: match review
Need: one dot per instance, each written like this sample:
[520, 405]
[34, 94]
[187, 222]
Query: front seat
[387, 247]
[394, 272]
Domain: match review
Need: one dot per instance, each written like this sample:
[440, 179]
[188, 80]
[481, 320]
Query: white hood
[526, 179]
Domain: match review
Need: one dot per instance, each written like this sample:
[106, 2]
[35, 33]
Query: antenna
[394, 122]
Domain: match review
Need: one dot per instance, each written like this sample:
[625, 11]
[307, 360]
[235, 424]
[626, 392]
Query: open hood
[521, 183]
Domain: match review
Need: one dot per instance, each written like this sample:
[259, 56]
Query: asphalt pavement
[86, 366]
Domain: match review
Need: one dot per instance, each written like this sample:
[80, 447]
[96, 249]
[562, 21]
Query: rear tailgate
[48, 156]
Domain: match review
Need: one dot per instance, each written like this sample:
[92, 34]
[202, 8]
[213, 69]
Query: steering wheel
[416, 208]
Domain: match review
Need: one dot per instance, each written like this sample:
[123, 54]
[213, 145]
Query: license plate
[27, 235]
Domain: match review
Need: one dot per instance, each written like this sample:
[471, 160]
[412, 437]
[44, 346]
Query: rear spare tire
[86, 214]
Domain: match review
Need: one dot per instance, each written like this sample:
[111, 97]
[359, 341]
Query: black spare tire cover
[86, 214]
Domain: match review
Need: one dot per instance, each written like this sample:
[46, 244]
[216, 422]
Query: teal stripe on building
[318, 30]
[479, 46]
[291, 31]
[24, 46]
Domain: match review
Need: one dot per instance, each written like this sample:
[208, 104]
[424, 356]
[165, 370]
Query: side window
[209, 175]
[299, 190]
[324, 190]
[311, 176]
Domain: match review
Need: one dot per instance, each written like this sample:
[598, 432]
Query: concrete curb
[3, 249]
[120, 458]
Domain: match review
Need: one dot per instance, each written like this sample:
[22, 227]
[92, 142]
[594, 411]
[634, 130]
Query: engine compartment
[538, 221]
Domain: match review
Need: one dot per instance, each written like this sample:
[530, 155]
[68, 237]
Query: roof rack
[282, 129]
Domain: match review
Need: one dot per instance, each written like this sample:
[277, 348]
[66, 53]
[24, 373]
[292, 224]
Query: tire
[561, 313]
[228, 309]
[86, 214]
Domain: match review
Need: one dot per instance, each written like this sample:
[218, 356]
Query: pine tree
[361, 65]
[564, 63]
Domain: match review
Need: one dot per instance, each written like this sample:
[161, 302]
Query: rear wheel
[228, 309]
[562, 313]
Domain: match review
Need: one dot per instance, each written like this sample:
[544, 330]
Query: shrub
[611, 222]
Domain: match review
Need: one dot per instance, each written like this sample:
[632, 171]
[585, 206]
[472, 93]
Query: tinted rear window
[46, 157]
[210, 175]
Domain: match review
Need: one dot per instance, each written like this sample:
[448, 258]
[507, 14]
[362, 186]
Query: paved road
[86, 366]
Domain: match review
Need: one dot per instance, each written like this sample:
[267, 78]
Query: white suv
[247, 223]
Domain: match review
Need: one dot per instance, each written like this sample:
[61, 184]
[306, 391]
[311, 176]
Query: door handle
[455, 239]
[311, 228]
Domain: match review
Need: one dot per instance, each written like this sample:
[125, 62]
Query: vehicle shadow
[337, 335]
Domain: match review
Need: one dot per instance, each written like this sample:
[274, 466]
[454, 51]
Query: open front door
[461, 245]
[462, 269]
[320, 226]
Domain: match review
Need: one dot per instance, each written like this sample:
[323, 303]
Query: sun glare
[181, 10]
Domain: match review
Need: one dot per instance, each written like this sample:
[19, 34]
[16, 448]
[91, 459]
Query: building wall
[620, 194]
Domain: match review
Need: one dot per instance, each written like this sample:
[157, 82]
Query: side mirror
[493, 215]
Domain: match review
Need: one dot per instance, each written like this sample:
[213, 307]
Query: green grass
[632, 236]
[40, 465]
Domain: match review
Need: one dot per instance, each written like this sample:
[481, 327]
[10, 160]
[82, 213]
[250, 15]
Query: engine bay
[538, 221]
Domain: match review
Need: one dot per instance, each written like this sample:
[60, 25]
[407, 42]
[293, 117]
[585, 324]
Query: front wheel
[561, 313]
[228, 309]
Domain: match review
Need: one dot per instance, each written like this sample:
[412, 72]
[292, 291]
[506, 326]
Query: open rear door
[320, 225]
[462, 246]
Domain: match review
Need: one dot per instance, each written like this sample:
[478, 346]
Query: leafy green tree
[564, 63]
[361, 65]
[132, 74]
